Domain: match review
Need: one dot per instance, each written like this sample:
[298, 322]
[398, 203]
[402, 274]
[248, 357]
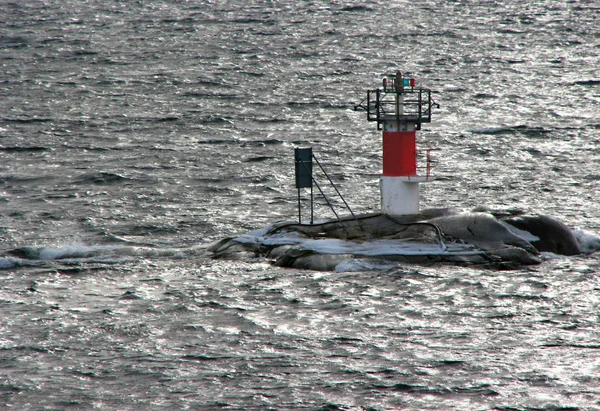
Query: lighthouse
[400, 107]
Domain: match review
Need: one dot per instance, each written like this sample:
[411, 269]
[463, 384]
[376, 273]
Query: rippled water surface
[133, 134]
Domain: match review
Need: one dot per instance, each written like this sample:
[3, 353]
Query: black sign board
[303, 158]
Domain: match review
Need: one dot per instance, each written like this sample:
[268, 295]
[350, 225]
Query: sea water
[134, 134]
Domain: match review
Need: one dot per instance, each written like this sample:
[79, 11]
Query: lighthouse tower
[399, 108]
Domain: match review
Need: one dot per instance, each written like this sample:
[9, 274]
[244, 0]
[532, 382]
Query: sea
[134, 134]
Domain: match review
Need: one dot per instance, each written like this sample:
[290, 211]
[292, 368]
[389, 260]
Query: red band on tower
[399, 153]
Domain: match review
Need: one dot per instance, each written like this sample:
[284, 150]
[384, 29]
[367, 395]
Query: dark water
[132, 134]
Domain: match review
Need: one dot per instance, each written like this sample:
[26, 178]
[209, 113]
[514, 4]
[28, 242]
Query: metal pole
[299, 209]
[312, 208]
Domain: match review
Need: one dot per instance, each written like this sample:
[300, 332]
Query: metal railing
[429, 163]
[412, 104]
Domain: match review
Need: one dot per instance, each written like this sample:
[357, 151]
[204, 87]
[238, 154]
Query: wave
[80, 253]
[215, 141]
[592, 82]
[356, 8]
[19, 149]
[49, 253]
[262, 143]
[13, 262]
[359, 265]
[101, 178]
[530, 131]
[27, 120]
[259, 159]
[484, 96]
[214, 119]
[480, 390]
[589, 242]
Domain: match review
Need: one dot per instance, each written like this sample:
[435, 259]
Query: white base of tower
[400, 195]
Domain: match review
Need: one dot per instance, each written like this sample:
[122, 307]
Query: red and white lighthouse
[399, 108]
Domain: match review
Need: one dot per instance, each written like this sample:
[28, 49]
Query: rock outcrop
[433, 236]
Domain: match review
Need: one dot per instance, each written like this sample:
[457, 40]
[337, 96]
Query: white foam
[75, 250]
[588, 242]
[11, 262]
[363, 248]
[547, 255]
[100, 253]
[525, 235]
[357, 265]
[282, 238]
[8, 262]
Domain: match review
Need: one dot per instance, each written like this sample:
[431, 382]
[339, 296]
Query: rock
[554, 236]
[482, 230]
